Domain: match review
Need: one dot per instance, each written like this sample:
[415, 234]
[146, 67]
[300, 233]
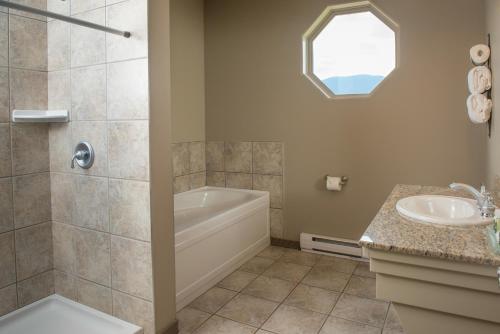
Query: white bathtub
[58, 315]
[216, 230]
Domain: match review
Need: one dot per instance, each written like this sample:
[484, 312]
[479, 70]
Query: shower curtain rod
[65, 18]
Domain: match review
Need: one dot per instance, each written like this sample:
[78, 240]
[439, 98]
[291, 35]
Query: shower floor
[286, 291]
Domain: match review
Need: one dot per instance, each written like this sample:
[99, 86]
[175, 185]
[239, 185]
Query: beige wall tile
[180, 158]
[35, 288]
[128, 145]
[197, 159]
[5, 152]
[8, 296]
[65, 285]
[134, 310]
[33, 250]
[94, 295]
[27, 43]
[268, 158]
[58, 6]
[4, 91]
[238, 157]
[60, 147]
[6, 212]
[216, 179]
[182, 183]
[127, 92]
[88, 46]
[131, 16]
[58, 44]
[276, 220]
[90, 208]
[93, 256]
[28, 89]
[4, 40]
[59, 90]
[64, 247]
[239, 180]
[32, 204]
[96, 134]
[88, 93]
[7, 260]
[197, 180]
[273, 184]
[78, 6]
[131, 267]
[40, 4]
[61, 195]
[215, 156]
[129, 209]
[30, 148]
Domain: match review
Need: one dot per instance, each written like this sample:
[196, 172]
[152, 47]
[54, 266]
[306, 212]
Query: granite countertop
[390, 232]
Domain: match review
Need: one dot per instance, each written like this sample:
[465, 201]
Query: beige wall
[188, 70]
[413, 130]
[493, 143]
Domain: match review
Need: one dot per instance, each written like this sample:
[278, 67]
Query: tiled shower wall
[189, 166]
[26, 260]
[101, 218]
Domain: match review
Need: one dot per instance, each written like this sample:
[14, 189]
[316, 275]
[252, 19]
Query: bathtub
[216, 230]
[58, 315]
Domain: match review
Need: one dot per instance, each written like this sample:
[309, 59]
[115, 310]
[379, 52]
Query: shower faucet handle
[83, 155]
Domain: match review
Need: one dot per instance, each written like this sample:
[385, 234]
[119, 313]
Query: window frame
[322, 21]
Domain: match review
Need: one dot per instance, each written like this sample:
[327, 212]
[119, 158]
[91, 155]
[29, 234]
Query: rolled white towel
[479, 108]
[479, 54]
[479, 79]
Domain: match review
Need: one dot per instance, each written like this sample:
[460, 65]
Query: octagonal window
[350, 51]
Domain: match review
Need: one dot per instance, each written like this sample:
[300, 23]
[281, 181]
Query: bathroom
[184, 166]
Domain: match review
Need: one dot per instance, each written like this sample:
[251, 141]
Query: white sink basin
[442, 210]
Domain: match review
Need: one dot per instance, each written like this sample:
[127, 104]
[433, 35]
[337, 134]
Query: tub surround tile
[27, 43]
[131, 16]
[335, 325]
[129, 209]
[182, 184]
[88, 93]
[30, 148]
[39, 4]
[88, 46]
[35, 288]
[134, 310]
[215, 156]
[180, 158]
[6, 211]
[239, 180]
[367, 311]
[62, 187]
[4, 39]
[224, 326]
[273, 184]
[237, 281]
[59, 91]
[5, 151]
[273, 289]
[268, 158]
[248, 310]
[276, 221]
[4, 87]
[96, 134]
[78, 6]
[58, 45]
[8, 296]
[33, 250]
[7, 260]
[313, 299]
[216, 179]
[60, 143]
[93, 256]
[28, 89]
[238, 157]
[287, 271]
[257, 265]
[289, 319]
[127, 89]
[212, 300]
[386, 229]
[131, 267]
[94, 295]
[63, 237]
[65, 285]
[32, 204]
[58, 6]
[90, 205]
[197, 162]
[190, 319]
[197, 180]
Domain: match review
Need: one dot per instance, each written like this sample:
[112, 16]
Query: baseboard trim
[285, 243]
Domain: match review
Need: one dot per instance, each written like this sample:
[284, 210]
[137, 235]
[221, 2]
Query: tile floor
[285, 291]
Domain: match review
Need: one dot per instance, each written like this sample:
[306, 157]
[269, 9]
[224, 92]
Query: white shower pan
[59, 315]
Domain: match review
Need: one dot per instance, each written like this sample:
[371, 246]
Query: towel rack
[65, 18]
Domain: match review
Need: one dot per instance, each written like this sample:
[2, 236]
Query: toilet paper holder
[343, 179]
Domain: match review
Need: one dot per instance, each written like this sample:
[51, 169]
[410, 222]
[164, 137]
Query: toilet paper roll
[333, 183]
[479, 54]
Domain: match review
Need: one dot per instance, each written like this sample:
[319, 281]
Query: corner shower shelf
[40, 116]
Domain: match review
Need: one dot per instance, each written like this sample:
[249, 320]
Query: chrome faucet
[485, 201]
